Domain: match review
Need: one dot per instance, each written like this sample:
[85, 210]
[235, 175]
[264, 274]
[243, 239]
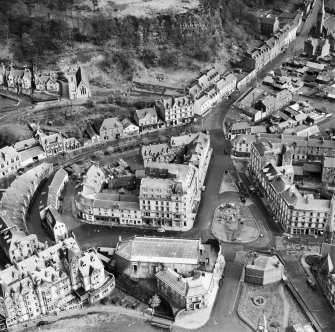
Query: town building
[276, 44]
[109, 209]
[15, 241]
[326, 271]
[242, 144]
[225, 86]
[55, 144]
[238, 128]
[55, 226]
[56, 187]
[129, 128]
[143, 257]
[175, 111]
[190, 293]
[18, 80]
[52, 144]
[328, 170]
[317, 47]
[169, 193]
[70, 144]
[10, 161]
[272, 103]
[47, 82]
[271, 165]
[78, 83]
[211, 87]
[269, 24]
[111, 129]
[92, 133]
[302, 148]
[146, 119]
[263, 270]
[55, 279]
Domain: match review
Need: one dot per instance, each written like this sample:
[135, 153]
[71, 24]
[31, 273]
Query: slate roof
[25, 144]
[196, 285]
[160, 250]
[329, 162]
[146, 113]
[111, 123]
[264, 263]
[82, 76]
[6, 153]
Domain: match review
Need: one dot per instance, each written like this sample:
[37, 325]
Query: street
[314, 299]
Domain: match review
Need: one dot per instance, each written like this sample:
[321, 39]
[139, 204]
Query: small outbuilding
[263, 270]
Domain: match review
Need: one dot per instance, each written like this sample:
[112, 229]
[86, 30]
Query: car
[115, 299]
[203, 188]
[310, 282]
[42, 323]
[243, 200]
[104, 300]
[221, 282]
[161, 230]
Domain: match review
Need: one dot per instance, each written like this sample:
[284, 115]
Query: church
[322, 41]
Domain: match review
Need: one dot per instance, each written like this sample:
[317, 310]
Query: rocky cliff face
[162, 30]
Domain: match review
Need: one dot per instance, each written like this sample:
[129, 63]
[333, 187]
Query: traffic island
[234, 223]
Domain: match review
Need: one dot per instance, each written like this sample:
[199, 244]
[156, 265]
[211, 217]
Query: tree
[154, 302]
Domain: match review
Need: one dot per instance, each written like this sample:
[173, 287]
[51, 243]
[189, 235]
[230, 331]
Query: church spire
[321, 19]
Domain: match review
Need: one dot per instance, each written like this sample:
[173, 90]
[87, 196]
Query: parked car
[42, 323]
[104, 300]
[115, 299]
[161, 230]
[310, 282]
[243, 200]
[221, 282]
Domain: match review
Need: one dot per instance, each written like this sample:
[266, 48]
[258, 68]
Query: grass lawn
[280, 308]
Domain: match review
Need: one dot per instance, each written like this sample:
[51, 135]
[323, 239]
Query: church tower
[321, 19]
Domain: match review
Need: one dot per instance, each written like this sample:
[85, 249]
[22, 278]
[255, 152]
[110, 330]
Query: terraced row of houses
[271, 165]
[26, 152]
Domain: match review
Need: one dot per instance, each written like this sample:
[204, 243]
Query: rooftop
[160, 250]
[265, 263]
